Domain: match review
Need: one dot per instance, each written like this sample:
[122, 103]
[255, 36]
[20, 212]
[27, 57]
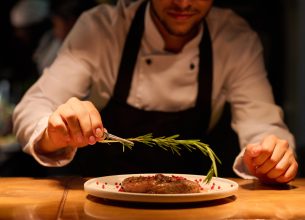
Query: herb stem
[175, 145]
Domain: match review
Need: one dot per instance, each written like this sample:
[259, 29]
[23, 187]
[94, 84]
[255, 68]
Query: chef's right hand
[74, 124]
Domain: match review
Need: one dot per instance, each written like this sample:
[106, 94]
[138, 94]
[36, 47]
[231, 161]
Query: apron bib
[126, 121]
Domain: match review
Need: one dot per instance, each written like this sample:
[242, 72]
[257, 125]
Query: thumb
[252, 151]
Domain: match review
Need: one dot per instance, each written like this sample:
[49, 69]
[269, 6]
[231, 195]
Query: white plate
[108, 187]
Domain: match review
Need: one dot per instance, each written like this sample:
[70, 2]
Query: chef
[163, 67]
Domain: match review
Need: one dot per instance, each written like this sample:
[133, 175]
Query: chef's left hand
[271, 161]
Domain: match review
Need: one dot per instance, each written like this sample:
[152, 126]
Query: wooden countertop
[65, 198]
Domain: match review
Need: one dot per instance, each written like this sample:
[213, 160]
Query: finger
[252, 151]
[289, 175]
[96, 121]
[270, 163]
[83, 119]
[57, 130]
[268, 146]
[89, 119]
[70, 118]
[282, 166]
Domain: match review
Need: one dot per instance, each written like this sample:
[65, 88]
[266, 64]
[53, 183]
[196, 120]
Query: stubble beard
[172, 31]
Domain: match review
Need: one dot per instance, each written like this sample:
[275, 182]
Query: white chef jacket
[87, 67]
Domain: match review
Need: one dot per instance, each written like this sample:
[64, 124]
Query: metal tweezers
[116, 138]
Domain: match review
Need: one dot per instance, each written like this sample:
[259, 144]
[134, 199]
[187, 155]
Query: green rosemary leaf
[175, 145]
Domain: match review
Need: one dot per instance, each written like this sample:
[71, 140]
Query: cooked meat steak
[159, 184]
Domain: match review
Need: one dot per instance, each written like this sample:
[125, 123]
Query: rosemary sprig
[174, 144]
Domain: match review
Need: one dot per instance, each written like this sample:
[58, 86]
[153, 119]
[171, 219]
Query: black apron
[126, 121]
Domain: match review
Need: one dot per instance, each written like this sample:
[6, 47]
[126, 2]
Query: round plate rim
[160, 198]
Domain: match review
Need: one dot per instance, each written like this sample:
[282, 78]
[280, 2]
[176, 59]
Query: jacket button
[192, 66]
[148, 61]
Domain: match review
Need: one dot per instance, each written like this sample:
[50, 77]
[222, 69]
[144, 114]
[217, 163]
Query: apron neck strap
[130, 54]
